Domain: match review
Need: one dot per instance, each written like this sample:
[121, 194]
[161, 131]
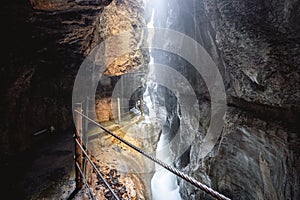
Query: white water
[163, 184]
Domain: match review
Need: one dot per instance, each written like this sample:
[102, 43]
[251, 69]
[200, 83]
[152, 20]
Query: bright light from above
[151, 23]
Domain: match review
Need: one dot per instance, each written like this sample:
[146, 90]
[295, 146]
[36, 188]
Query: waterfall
[163, 184]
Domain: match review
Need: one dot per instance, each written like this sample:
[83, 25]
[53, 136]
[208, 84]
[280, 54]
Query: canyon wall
[43, 47]
[45, 44]
[255, 45]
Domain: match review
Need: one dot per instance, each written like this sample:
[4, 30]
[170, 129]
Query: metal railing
[81, 155]
[80, 152]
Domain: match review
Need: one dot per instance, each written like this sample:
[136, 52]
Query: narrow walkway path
[134, 170]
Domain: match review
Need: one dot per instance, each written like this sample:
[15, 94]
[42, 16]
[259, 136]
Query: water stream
[163, 184]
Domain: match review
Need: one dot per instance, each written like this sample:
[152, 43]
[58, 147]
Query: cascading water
[163, 184]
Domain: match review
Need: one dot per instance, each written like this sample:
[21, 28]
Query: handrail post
[78, 151]
[119, 110]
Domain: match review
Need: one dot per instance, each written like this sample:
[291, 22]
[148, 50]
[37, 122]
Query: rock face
[255, 45]
[103, 110]
[44, 47]
[260, 42]
[45, 44]
[117, 18]
[257, 156]
[134, 170]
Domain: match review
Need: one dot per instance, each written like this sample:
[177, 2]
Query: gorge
[248, 48]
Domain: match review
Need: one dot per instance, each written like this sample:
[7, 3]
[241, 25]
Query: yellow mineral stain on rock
[132, 172]
[123, 53]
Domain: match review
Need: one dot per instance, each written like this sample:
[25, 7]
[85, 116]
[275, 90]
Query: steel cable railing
[97, 171]
[175, 171]
[85, 182]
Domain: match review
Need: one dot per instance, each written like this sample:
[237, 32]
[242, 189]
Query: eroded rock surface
[260, 42]
[45, 43]
[131, 171]
[255, 44]
[256, 157]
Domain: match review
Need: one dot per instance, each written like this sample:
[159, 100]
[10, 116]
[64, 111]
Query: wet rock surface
[256, 157]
